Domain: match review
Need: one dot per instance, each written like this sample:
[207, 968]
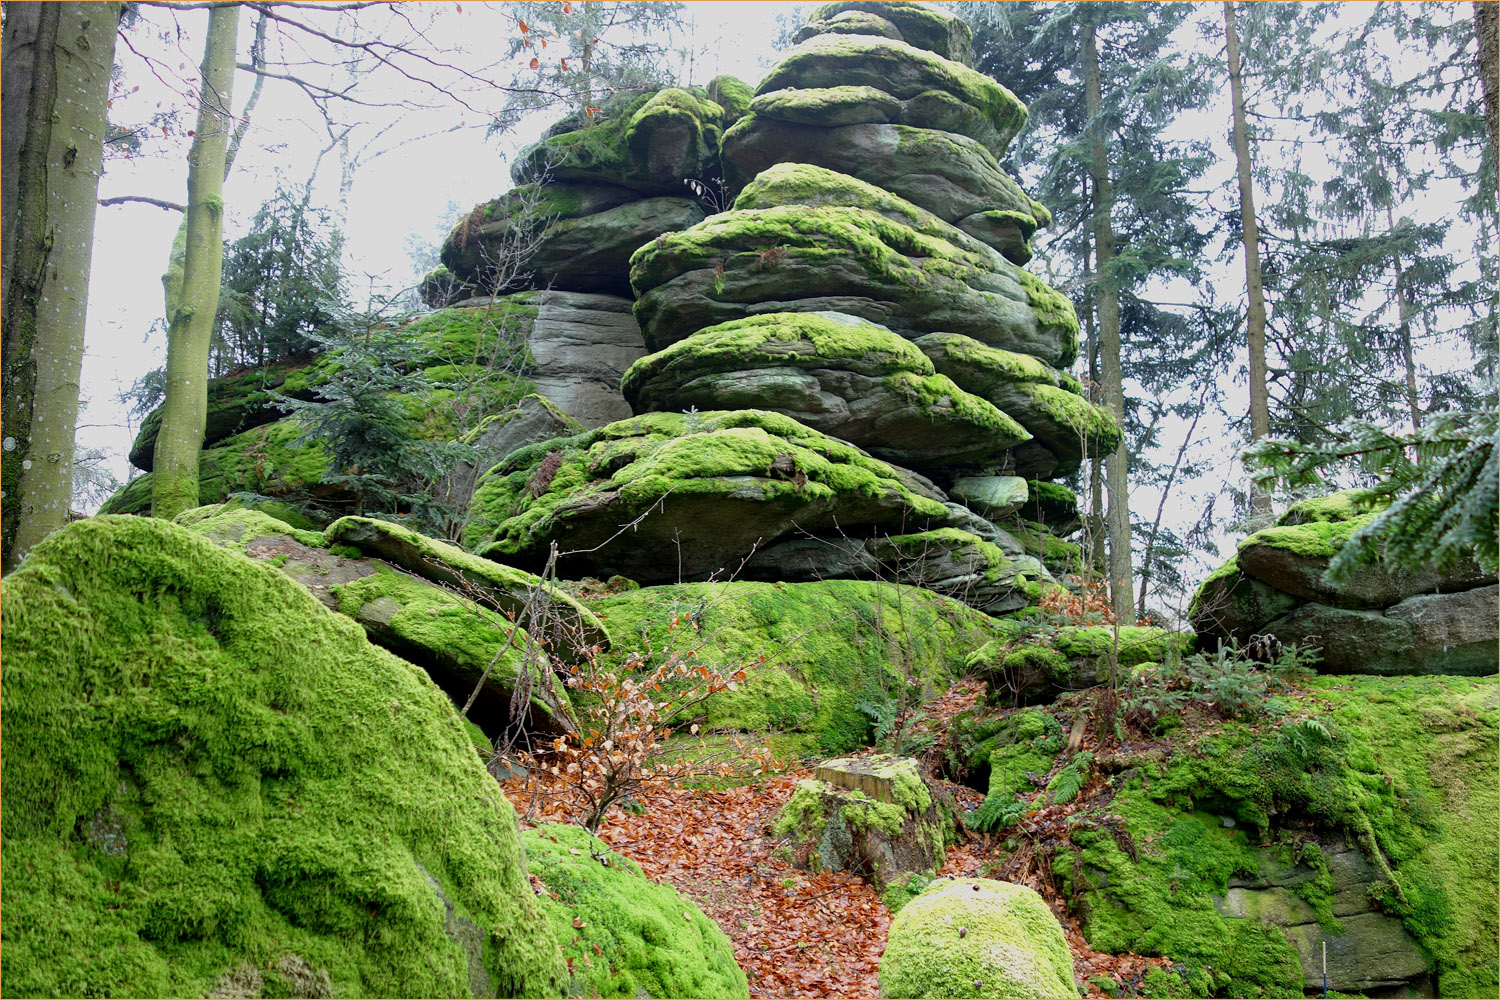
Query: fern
[1069, 781]
[996, 813]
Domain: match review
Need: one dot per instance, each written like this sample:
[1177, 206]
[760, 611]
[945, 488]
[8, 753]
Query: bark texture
[191, 309]
[1255, 318]
[57, 60]
[1112, 375]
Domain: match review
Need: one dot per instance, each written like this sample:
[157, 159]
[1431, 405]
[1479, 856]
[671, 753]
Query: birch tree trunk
[1255, 319]
[57, 60]
[191, 316]
[1111, 372]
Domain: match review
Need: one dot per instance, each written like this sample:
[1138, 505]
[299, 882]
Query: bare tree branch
[121, 199]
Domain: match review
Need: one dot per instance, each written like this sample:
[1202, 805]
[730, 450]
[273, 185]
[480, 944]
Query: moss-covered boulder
[916, 87]
[530, 419]
[843, 259]
[835, 373]
[991, 496]
[954, 177]
[214, 784]
[872, 815]
[624, 935]
[919, 24]
[812, 653]
[1382, 620]
[1403, 768]
[568, 627]
[471, 636]
[575, 237]
[976, 937]
[1050, 404]
[648, 142]
[669, 496]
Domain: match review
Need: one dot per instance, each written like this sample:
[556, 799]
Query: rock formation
[1380, 622]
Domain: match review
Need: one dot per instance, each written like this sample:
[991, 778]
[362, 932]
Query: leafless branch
[121, 199]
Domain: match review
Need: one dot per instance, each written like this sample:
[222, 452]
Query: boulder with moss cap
[976, 937]
[213, 782]
[871, 815]
[842, 259]
[460, 637]
[835, 373]
[665, 496]
[920, 24]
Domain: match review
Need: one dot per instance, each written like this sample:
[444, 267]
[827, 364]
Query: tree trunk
[1487, 33]
[1255, 320]
[1403, 329]
[57, 59]
[191, 318]
[1098, 549]
[1112, 375]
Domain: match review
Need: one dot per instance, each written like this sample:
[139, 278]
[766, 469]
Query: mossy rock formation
[1382, 621]
[215, 784]
[812, 652]
[976, 937]
[454, 624]
[842, 259]
[624, 935]
[705, 486]
[918, 24]
[835, 373]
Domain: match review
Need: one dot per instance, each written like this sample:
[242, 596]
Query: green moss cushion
[975, 937]
[624, 935]
[213, 784]
[920, 24]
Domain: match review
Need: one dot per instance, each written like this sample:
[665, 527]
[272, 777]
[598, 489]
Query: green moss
[860, 812]
[811, 650]
[1022, 749]
[732, 94]
[247, 787]
[894, 63]
[805, 814]
[639, 461]
[1057, 555]
[891, 252]
[828, 106]
[624, 935]
[569, 626]
[971, 937]
[1344, 506]
[806, 184]
[1410, 772]
[1311, 539]
[939, 396]
[903, 888]
[798, 340]
[989, 366]
[234, 525]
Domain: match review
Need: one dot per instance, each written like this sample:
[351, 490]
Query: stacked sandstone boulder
[850, 374]
[786, 334]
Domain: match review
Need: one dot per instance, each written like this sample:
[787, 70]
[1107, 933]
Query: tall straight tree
[1255, 317]
[57, 60]
[1107, 304]
[191, 317]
